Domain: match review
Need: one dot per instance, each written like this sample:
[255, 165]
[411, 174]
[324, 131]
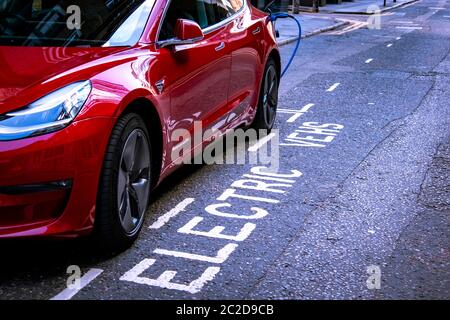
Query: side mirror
[186, 32]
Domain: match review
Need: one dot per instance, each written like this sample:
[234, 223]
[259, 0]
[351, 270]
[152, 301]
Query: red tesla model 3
[91, 90]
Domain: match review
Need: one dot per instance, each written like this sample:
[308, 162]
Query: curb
[313, 33]
[369, 14]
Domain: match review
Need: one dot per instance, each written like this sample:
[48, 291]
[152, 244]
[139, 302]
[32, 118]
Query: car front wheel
[125, 184]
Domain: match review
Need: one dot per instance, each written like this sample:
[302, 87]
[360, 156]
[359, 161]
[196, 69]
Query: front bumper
[48, 184]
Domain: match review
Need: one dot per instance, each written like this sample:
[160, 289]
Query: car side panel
[245, 39]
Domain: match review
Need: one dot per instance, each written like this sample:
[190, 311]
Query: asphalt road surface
[362, 193]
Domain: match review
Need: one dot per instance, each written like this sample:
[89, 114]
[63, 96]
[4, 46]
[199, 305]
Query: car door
[245, 42]
[198, 74]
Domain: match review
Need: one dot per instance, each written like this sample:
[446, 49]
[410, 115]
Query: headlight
[50, 113]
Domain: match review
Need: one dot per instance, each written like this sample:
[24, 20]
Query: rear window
[231, 5]
[227, 8]
[67, 23]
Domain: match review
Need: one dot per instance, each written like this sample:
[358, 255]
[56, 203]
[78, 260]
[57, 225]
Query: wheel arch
[149, 114]
[275, 55]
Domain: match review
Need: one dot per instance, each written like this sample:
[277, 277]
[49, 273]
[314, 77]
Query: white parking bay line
[410, 28]
[307, 107]
[301, 112]
[162, 220]
[295, 117]
[69, 293]
[287, 111]
[261, 142]
[333, 87]
[369, 60]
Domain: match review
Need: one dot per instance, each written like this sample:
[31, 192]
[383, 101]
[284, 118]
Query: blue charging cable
[281, 15]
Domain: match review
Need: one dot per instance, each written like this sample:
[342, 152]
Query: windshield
[71, 23]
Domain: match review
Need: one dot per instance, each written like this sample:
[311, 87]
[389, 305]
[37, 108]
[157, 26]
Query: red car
[90, 92]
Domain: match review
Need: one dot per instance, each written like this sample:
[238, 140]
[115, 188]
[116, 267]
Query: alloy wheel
[133, 185]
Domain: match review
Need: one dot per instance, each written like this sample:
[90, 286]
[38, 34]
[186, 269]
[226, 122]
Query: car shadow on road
[47, 258]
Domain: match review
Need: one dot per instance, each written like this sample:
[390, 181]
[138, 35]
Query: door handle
[221, 46]
[256, 31]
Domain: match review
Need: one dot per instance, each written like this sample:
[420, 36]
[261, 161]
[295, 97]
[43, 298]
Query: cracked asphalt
[374, 192]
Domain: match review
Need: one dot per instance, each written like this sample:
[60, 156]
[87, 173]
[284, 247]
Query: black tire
[109, 232]
[267, 99]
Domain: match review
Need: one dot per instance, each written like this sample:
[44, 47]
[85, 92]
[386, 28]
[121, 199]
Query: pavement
[361, 210]
[330, 18]
[311, 25]
[364, 6]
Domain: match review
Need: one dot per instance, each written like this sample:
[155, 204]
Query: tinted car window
[72, 22]
[230, 6]
[205, 12]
